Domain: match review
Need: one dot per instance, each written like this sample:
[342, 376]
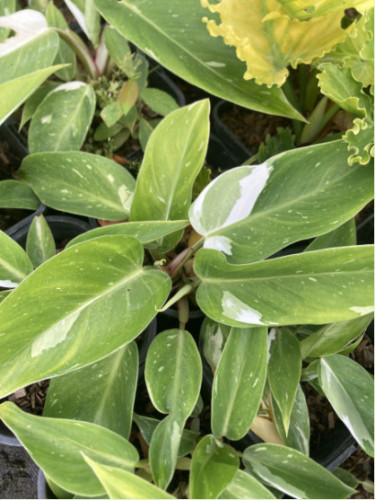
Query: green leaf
[285, 197]
[284, 370]
[63, 118]
[119, 49]
[80, 183]
[180, 42]
[304, 9]
[128, 95]
[346, 477]
[92, 298]
[245, 486]
[213, 337]
[57, 446]
[102, 393]
[314, 284]
[16, 194]
[173, 158]
[92, 22]
[213, 468]
[111, 113]
[34, 100]
[330, 339]
[146, 232]
[144, 132]
[15, 264]
[292, 472]
[159, 101]
[360, 140]
[120, 483]
[343, 236]
[6, 7]
[40, 244]
[239, 382]
[350, 390]
[299, 427]
[173, 373]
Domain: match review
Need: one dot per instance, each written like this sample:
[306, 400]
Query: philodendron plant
[272, 321]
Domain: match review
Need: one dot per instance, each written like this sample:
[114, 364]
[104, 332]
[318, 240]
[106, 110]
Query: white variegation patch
[362, 310]
[27, 24]
[79, 15]
[221, 243]
[69, 86]
[234, 308]
[8, 284]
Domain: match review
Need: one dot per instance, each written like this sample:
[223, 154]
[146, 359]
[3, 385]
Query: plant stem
[185, 290]
[81, 51]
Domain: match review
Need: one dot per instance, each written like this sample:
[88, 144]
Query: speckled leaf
[120, 483]
[213, 467]
[63, 118]
[285, 197]
[239, 382]
[80, 183]
[174, 35]
[245, 486]
[40, 244]
[213, 336]
[16, 194]
[57, 446]
[284, 370]
[81, 305]
[146, 232]
[102, 393]
[343, 236]
[317, 287]
[15, 264]
[292, 472]
[350, 390]
[34, 100]
[173, 372]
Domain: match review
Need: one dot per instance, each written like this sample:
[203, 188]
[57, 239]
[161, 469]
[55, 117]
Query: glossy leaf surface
[292, 472]
[35, 99]
[343, 236]
[80, 306]
[180, 42]
[80, 183]
[245, 486]
[318, 287]
[40, 244]
[285, 196]
[15, 264]
[16, 194]
[57, 446]
[350, 390]
[239, 382]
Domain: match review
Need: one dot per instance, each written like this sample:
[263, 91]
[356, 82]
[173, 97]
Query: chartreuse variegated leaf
[81, 305]
[305, 9]
[343, 236]
[239, 382]
[80, 183]
[330, 339]
[299, 426]
[180, 42]
[57, 446]
[350, 390]
[213, 467]
[16, 194]
[245, 486]
[146, 232]
[15, 264]
[63, 118]
[120, 483]
[173, 158]
[40, 244]
[292, 472]
[268, 40]
[318, 287]
[285, 196]
[360, 140]
[284, 370]
[213, 336]
[102, 393]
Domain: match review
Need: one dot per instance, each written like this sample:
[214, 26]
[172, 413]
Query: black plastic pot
[44, 491]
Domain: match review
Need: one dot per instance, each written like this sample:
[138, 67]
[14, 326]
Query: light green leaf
[57, 446]
[34, 100]
[245, 486]
[144, 132]
[63, 118]
[299, 427]
[111, 113]
[330, 339]
[40, 244]
[173, 158]
[6, 7]
[285, 197]
[360, 139]
[173, 373]
[16, 194]
[92, 22]
[92, 299]
[15, 264]
[4, 294]
[146, 232]
[213, 336]
[239, 382]
[213, 467]
[318, 287]
[102, 393]
[284, 370]
[119, 49]
[180, 42]
[159, 101]
[80, 183]
[343, 236]
[120, 483]
[305, 9]
[128, 95]
[292, 472]
[350, 390]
